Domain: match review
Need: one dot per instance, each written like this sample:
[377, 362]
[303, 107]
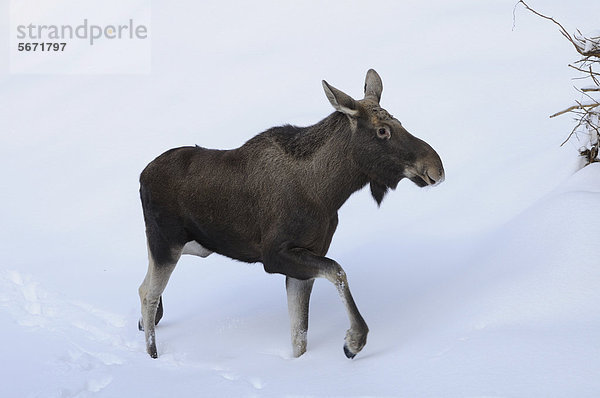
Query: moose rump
[192, 194]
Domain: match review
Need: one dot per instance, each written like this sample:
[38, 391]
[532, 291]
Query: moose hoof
[151, 348]
[299, 343]
[299, 351]
[355, 341]
[349, 354]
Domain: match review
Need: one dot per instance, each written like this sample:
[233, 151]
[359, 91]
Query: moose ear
[373, 86]
[339, 100]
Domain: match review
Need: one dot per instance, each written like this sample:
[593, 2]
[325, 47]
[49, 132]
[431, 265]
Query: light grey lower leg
[356, 336]
[302, 263]
[150, 291]
[298, 296]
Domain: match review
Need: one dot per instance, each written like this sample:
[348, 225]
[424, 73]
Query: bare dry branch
[593, 76]
[587, 111]
[563, 31]
[578, 106]
[571, 134]
[577, 42]
[592, 99]
[590, 71]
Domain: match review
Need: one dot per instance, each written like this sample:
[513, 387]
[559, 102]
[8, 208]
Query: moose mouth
[424, 179]
[419, 181]
[380, 187]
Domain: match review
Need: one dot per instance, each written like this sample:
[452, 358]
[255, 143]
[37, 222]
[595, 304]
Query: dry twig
[577, 41]
[588, 113]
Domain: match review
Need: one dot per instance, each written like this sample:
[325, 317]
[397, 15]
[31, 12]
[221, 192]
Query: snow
[484, 286]
[592, 41]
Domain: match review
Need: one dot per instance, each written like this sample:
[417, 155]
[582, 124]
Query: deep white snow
[485, 286]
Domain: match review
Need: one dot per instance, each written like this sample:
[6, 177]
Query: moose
[275, 199]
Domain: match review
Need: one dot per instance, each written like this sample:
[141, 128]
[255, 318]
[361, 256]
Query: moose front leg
[356, 336]
[302, 264]
[298, 296]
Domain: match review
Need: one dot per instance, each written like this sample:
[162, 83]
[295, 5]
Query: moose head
[381, 147]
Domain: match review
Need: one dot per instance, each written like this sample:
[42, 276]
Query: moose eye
[384, 133]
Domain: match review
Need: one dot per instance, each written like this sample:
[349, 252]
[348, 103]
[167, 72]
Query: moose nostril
[437, 178]
[440, 179]
[442, 176]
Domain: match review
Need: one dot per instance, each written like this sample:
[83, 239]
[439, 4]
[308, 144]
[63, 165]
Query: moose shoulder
[275, 199]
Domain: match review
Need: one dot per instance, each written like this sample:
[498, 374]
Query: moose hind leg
[159, 311]
[150, 297]
[298, 296]
[159, 315]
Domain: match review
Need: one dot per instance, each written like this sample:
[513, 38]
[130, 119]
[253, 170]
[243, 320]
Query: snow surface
[486, 286]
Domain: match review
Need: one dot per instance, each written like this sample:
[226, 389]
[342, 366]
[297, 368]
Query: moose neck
[332, 173]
